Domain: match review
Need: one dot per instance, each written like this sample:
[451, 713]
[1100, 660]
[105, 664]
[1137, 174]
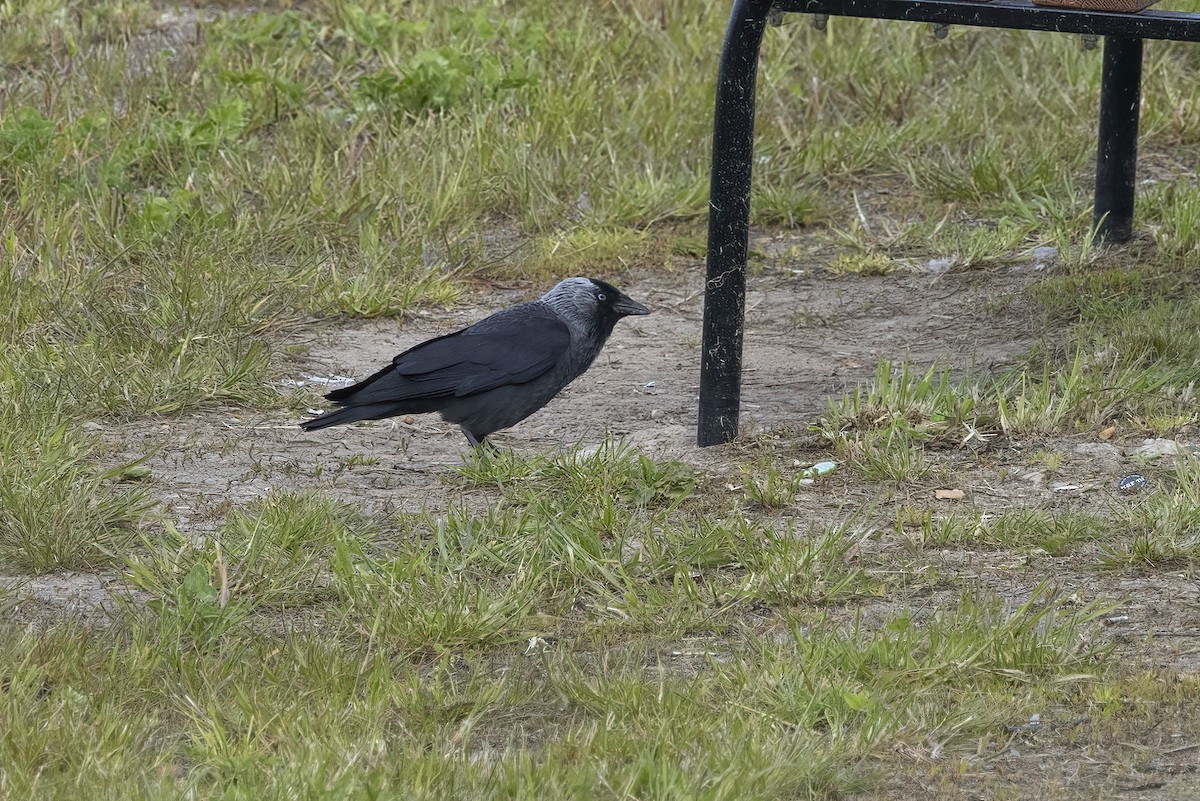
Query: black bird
[495, 373]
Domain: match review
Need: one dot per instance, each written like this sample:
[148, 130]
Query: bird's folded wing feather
[508, 349]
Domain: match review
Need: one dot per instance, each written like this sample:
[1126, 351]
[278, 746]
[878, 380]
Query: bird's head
[592, 303]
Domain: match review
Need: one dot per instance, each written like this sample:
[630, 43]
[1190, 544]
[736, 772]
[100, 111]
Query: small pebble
[1156, 448]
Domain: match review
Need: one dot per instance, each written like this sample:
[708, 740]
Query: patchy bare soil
[810, 335]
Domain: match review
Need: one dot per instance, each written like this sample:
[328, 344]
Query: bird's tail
[353, 392]
[384, 394]
[352, 414]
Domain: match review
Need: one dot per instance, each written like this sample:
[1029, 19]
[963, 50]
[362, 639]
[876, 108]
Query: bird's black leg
[480, 444]
[475, 443]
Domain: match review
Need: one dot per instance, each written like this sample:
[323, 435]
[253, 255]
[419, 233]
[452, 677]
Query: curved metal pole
[729, 224]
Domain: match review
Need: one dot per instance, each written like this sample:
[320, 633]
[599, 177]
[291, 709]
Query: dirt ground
[810, 335]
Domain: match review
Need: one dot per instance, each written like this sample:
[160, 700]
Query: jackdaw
[495, 373]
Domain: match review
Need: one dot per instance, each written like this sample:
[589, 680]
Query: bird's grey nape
[570, 286]
[572, 299]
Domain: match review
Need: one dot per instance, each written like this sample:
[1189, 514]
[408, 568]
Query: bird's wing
[512, 347]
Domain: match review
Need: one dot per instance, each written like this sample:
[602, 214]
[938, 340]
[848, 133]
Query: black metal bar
[1147, 24]
[733, 147]
[1116, 150]
[729, 224]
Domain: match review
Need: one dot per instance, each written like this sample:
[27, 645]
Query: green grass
[533, 645]
[1164, 524]
[1021, 529]
[362, 160]
[179, 196]
[57, 510]
[798, 715]
[862, 264]
[278, 554]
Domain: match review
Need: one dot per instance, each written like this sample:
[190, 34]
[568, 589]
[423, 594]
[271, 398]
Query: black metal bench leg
[729, 224]
[1116, 153]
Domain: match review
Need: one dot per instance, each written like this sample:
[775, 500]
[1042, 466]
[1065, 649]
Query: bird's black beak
[626, 306]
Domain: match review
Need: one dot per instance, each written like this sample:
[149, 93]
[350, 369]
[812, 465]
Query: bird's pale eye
[602, 297]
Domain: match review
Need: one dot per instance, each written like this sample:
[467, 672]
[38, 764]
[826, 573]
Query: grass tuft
[57, 510]
[278, 553]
